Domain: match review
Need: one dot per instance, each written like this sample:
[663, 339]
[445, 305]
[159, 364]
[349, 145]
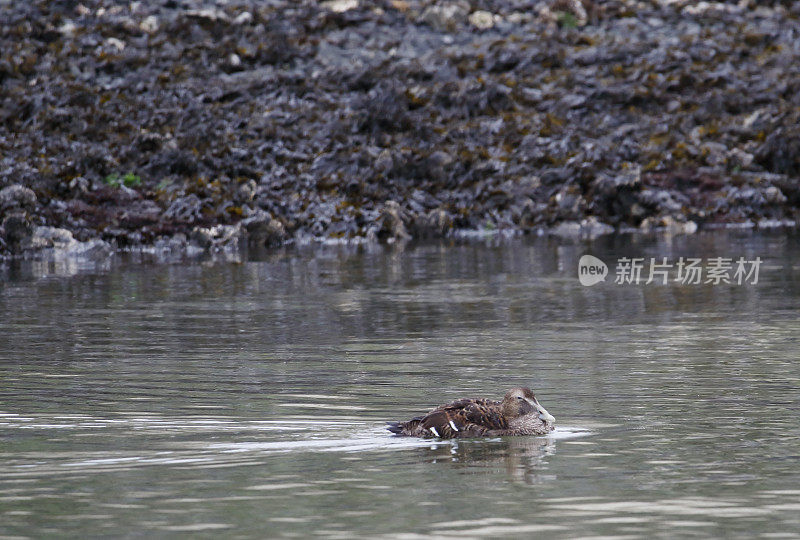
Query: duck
[519, 413]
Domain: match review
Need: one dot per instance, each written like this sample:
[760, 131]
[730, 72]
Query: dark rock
[780, 152]
[446, 15]
[670, 224]
[185, 209]
[529, 214]
[17, 229]
[48, 237]
[15, 198]
[615, 196]
[93, 250]
[217, 238]
[662, 200]
[773, 195]
[391, 226]
[246, 192]
[263, 230]
[568, 203]
[434, 224]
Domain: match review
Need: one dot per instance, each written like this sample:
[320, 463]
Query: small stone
[554, 13]
[340, 6]
[246, 192]
[567, 229]
[775, 223]
[400, 5]
[384, 162]
[740, 157]
[575, 7]
[446, 16]
[263, 230]
[568, 203]
[774, 195]
[669, 224]
[216, 238]
[592, 227]
[715, 153]
[245, 17]
[747, 196]
[208, 14]
[518, 17]
[94, 249]
[529, 214]
[483, 20]
[68, 28]
[185, 209]
[149, 24]
[79, 185]
[48, 237]
[17, 197]
[115, 43]
[660, 199]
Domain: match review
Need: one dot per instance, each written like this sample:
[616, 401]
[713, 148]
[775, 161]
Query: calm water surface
[248, 399]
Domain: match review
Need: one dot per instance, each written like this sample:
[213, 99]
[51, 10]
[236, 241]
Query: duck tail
[407, 429]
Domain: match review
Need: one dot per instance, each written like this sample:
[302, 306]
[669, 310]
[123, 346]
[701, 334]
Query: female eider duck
[518, 414]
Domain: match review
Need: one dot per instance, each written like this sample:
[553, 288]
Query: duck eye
[519, 397]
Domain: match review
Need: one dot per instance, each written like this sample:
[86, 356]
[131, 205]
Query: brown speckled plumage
[518, 414]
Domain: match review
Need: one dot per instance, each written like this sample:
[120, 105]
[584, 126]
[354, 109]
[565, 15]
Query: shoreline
[94, 253]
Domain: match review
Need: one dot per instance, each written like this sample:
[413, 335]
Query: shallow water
[249, 399]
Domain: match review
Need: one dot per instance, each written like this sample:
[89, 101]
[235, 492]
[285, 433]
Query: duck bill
[545, 416]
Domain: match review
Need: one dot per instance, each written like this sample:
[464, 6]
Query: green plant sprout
[127, 180]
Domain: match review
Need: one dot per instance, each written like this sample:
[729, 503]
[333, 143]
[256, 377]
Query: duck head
[521, 401]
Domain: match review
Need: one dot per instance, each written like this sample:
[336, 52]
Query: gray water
[248, 399]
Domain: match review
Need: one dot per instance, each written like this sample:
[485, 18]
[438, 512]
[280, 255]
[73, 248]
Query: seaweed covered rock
[17, 198]
[17, 228]
[391, 223]
[780, 151]
[222, 124]
[16, 223]
[263, 230]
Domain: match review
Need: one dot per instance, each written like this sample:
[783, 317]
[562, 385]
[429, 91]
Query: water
[248, 399]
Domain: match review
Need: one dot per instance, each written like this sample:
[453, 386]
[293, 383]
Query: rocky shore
[192, 124]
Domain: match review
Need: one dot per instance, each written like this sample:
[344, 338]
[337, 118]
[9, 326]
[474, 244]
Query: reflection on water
[249, 399]
[522, 459]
